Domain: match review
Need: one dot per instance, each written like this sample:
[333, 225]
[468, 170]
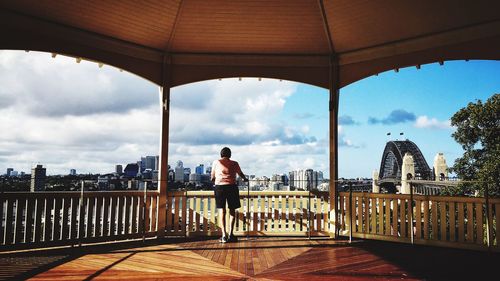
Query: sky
[67, 115]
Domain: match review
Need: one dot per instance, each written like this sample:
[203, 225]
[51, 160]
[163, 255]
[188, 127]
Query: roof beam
[326, 26]
[22, 25]
[174, 27]
[423, 43]
[224, 59]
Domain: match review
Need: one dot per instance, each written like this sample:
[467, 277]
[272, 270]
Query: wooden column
[163, 168]
[333, 108]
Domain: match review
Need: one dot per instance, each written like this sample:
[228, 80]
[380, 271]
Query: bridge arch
[392, 161]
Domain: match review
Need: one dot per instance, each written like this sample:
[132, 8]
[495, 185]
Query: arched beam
[22, 32]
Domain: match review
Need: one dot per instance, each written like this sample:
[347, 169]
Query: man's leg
[232, 221]
[222, 220]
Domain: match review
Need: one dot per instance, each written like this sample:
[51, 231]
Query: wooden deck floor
[252, 259]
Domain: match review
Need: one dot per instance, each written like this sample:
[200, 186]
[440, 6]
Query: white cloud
[67, 115]
[425, 122]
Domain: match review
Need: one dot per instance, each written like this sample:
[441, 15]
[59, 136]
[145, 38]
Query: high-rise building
[305, 179]
[38, 175]
[149, 162]
[199, 169]
[141, 164]
[187, 172]
[72, 172]
[179, 171]
[119, 169]
[208, 170]
[9, 170]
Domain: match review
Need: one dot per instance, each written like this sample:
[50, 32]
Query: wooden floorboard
[251, 259]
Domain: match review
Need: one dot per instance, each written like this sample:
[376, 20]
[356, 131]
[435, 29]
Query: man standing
[223, 175]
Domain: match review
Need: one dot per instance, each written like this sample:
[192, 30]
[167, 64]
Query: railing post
[350, 211]
[309, 213]
[488, 218]
[80, 215]
[248, 209]
[410, 214]
[143, 216]
[185, 213]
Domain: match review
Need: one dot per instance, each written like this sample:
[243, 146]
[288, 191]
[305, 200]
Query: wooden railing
[261, 213]
[38, 219]
[461, 222]
[42, 219]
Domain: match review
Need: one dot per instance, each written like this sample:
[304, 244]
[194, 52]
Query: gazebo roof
[286, 39]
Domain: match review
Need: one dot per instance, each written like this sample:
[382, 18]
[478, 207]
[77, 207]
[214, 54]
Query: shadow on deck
[252, 259]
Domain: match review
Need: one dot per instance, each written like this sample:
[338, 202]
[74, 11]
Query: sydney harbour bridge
[402, 162]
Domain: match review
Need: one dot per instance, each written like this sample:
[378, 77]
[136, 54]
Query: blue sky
[67, 115]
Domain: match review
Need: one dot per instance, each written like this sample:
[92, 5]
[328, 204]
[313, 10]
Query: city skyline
[106, 116]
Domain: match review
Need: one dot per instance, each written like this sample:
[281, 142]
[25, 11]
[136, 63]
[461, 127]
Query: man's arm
[240, 173]
[212, 173]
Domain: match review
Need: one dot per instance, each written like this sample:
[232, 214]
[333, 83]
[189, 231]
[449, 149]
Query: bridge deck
[254, 259]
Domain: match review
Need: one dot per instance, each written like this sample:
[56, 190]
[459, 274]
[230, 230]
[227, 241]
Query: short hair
[225, 152]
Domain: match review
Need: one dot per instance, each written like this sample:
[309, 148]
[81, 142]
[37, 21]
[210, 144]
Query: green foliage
[478, 132]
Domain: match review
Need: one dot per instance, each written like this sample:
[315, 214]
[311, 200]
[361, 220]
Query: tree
[478, 132]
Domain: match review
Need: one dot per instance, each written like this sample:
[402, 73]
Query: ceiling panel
[365, 23]
[287, 26]
[147, 22]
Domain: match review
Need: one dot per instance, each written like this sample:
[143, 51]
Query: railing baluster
[380, 216]
[191, 215]
[19, 219]
[395, 217]
[453, 222]
[263, 213]
[184, 214]
[255, 215]
[49, 219]
[479, 223]
[418, 219]
[470, 224]
[461, 235]
[319, 212]
[326, 219]
[99, 217]
[373, 215]
[213, 216]
[154, 213]
[403, 213]
[435, 220]
[128, 210]
[205, 215]
[113, 221]
[388, 217]
[128, 204]
[90, 217]
[29, 222]
[442, 220]
[121, 207]
[143, 215]
[38, 232]
[177, 226]
[57, 219]
[197, 207]
[169, 214]
[9, 221]
[106, 203]
[66, 219]
[3, 223]
[426, 218]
